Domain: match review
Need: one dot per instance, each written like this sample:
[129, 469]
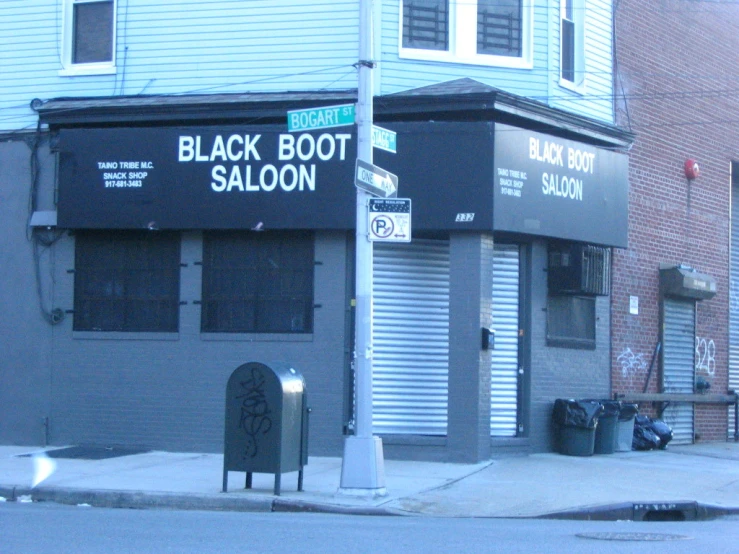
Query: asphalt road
[44, 528]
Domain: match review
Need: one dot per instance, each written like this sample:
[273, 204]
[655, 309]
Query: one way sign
[375, 180]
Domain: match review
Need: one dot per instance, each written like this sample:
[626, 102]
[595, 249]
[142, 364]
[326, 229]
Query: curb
[646, 511]
[140, 500]
[182, 501]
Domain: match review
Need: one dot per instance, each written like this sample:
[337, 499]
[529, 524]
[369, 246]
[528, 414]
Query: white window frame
[68, 67]
[578, 19]
[463, 44]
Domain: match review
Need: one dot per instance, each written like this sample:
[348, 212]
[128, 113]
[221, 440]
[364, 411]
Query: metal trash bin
[606, 434]
[625, 432]
[266, 428]
[575, 422]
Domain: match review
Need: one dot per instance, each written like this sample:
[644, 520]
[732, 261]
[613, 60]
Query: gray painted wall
[168, 392]
[25, 336]
[562, 372]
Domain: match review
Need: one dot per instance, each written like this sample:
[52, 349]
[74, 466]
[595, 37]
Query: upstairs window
[482, 32]
[572, 69]
[89, 36]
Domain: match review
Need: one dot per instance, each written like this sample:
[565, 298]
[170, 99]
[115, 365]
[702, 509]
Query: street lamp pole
[363, 466]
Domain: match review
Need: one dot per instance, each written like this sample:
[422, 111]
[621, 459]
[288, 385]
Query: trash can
[606, 434]
[575, 422]
[266, 429]
[625, 427]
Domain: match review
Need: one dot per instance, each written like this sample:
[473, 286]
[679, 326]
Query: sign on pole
[375, 180]
[390, 219]
[384, 139]
[320, 118]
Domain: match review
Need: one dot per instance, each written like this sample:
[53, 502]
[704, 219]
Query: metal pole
[363, 469]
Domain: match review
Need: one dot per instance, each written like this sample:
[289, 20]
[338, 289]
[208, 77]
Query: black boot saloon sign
[206, 177]
[549, 186]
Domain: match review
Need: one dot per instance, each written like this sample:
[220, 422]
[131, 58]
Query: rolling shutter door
[411, 337]
[734, 304]
[504, 356]
[679, 365]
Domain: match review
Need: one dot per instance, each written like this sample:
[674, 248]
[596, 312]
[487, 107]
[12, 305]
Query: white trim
[70, 69]
[463, 44]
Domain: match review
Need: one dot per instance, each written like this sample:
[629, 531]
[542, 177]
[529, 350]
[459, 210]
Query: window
[571, 47]
[483, 32]
[571, 321]
[257, 282]
[89, 36]
[126, 281]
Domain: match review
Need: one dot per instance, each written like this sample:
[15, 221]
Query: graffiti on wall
[632, 365]
[705, 357]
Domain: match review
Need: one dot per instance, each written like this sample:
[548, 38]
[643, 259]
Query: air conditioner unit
[579, 269]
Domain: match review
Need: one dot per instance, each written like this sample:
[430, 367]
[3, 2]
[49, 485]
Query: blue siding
[216, 46]
[540, 82]
[258, 45]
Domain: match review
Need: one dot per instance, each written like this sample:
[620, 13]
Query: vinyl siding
[235, 46]
[220, 46]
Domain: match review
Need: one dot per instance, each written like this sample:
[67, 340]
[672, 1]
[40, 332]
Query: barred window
[257, 282]
[426, 24]
[487, 32]
[571, 321]
[126, 281]
[499, 27]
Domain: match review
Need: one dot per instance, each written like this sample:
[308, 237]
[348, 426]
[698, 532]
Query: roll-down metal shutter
[411, 337]
[679, 365]
[734, 303]
[504, 366]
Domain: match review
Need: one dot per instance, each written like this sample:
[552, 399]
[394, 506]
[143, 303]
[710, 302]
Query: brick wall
[676, 67]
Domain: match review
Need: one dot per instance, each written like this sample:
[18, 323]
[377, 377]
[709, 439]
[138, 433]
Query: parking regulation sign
[390, 219]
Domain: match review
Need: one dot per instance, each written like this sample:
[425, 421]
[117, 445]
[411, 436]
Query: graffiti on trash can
[255, 411]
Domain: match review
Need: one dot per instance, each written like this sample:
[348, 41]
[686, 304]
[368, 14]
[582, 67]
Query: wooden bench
[664, 398]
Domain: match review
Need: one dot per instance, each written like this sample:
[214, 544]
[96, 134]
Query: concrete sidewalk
[696, 481]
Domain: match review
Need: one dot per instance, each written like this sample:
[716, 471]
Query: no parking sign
[390, 219]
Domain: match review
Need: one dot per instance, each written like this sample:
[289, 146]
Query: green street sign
[384, 139]
[320, 118]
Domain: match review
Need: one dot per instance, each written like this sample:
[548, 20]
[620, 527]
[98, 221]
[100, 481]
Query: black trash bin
[266, 429]
[606, 433]
[575, 422]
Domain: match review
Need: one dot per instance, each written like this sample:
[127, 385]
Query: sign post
[363, 464]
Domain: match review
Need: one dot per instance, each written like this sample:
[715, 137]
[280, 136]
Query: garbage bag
[577, 413]
[662, 430]
[611, 408]
[644, 438]
[646, 430]
[628, 411]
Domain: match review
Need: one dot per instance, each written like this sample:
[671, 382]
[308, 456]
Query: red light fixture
[691, 169]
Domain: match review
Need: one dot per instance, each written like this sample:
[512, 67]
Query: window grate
[426, 25]
[498, 33]
[127, 281]
[257, 283]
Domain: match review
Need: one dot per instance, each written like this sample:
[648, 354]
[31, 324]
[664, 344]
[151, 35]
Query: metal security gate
[411, 337]
[678, 359]
[734, 302]
[504, 357]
